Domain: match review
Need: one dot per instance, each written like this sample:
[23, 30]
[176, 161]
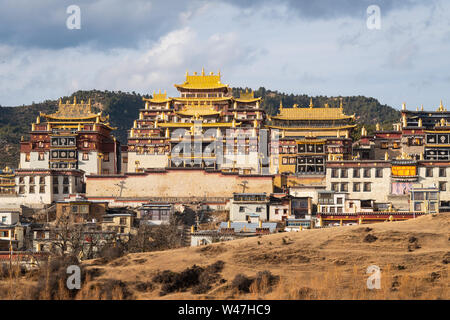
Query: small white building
[244, 206]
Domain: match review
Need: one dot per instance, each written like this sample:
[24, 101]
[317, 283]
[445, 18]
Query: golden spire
[74, 100]
[421, 108]
[403, 106]
[441, 107]
[281, 104]
[60, 101]
[203, 71]
[311, 103]
[341, 104]
[377, 127]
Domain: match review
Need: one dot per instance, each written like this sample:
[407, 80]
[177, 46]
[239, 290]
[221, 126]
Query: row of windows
[33, 180]
[33, 189]
[357, 186]
[367, 173]
[429, 172]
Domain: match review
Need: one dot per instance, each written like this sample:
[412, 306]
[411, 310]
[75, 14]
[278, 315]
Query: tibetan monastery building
[73, 138]
[304, 138]
[205, 127]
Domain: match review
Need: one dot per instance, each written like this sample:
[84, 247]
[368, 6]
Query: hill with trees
[123, 108]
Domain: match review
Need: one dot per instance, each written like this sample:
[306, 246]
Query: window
[125, 159]
[66, 180]
[241, 209]
[366, 173]
[429, 172]
[31, 180]
[285, 160]
[21, 180]
[335, 186]
[332, 210]
[41, 156]
[367, 186]
[442, 186]
[356, 187]
[27, 157]
[259, 209]
[344, 173]
[442, 172]
[55, 180]
[379, 173]
[338, 200]
[55, 190]
[123, 220]
[334, 173]
[344, 187]
[85, 156]
[41, 180]
[339, 209]
[356, 173]
[417, 206]
[106, 157]
[41, 189]
[66, 190]
[21, 189]
[31, 190]
[85, 144]
[432, 196]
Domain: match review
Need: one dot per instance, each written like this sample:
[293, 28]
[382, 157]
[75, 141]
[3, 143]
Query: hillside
[327, 263]
[123, 110]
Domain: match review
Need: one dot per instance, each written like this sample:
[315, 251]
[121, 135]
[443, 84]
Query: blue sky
[320, 47]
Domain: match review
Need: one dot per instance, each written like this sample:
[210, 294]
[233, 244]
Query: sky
[321, 47]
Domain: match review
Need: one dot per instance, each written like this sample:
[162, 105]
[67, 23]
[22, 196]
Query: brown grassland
[330, 263]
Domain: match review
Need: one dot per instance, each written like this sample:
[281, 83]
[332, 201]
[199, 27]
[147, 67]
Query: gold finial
[421, 108]
[295, 105]
[326, 105]
[219, 74]
[341, 104]
[386, 156]
[281, 104]
[420, 122]
[441, 107]
[403, 106]
[187, 73]
[60, 101]
[21, 138]
[442, 122]
[74, 100]
[377, 127]
[203, 71]
[38, 120]
[311, 103]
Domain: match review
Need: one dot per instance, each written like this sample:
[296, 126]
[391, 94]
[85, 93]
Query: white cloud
[261, 46]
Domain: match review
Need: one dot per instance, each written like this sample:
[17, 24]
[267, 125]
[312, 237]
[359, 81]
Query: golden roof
[247, 96]
[198, 110]
[73, 111]
[158, 97]
[202, 81]
[310, 113]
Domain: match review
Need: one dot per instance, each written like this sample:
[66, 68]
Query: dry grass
[314, 264]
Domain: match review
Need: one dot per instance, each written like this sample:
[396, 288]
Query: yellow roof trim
[312, 128]
[188, 125]
[311, 113]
